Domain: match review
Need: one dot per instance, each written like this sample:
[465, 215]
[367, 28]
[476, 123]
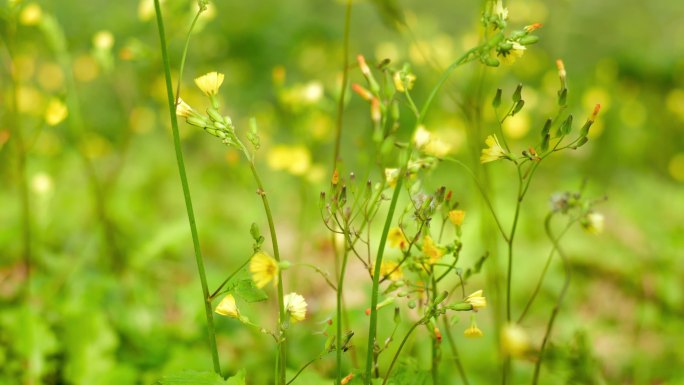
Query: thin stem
[340, 291]
[483, 193]
[282, 344]
[376, 277]
[185, 54]
[186, 191]
[559, 301]
[233, 274]
[543, 274]
[345, 77]
[401, 346]
[454, 351]
[14, 123]
[302, 369]
[435, 343]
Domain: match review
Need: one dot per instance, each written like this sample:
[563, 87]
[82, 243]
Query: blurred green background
[114, 296]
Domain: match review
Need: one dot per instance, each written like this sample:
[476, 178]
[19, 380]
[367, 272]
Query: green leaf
[191, 377]
[248, 292]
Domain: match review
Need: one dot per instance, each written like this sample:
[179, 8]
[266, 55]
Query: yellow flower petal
[210, 83]
[227, 307]
[264, 269]
[295, 305]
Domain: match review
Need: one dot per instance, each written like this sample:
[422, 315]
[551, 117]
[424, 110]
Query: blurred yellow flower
[437, 148]
[403, 84]
[32, 14]
[56, 112]
[432, 250]
[264, 269]
[391, 176]
[210, 83]
[293, 159]
[421, 137]
[228, 307]
[514, 340]
[103, 40]
[456, 217]
[500, 11]
[477, 300]
[593, 223]
[295, 305]
[392, 269]
[473, 331]
[396, 238]
[493, 152]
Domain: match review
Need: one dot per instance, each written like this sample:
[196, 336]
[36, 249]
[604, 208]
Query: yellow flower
[593, 223]
[56, 112]
[294, 159]
[437, 148]
[228, 307]
[264, 269]
[509, 56]
[456, 217]
[183, 109]
[103, 40]
[421, 137]
[514, 340]
[393, 269]
[431, 249]
[391, 176]
[500, 11]
[402, 83]
[477, 300]
[396, 238]
[32, 14]
[494, 152]
[210, 83]
[295, 305]
[473, 331]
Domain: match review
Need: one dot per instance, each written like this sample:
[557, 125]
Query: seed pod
[518, 106]
[562, 97]
[565, 127]
[547, 127]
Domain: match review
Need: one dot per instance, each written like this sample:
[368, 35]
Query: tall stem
[401, 346]
[186, 192]
[282, 343]
[340, 289]
[17, 133]
[454, 351]
[559, 301]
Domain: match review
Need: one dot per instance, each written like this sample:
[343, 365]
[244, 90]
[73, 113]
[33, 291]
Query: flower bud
[517, 94]
[497, 98]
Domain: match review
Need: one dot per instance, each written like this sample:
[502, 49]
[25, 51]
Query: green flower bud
[547, 127]
[528, 40]
[562, 97]
[497, 98]
[517, 94]
[197, 121]
[518, 106]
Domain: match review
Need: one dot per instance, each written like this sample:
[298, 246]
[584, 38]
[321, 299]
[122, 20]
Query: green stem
[186, 191]
[401, 346]
[185, 54]
[345, 79]
[14, 123]
[233, 274]
[340, 290]
[543, 274]
[435, 342]
[376, 277]
[454, 351]
[282, 344]
[559, 301]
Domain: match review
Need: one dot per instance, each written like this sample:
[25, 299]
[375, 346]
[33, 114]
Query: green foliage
[202, 378]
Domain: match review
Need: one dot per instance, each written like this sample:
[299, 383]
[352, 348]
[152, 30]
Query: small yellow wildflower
[421, 137]
[393, 269]
[477, 300]
[514, 340]
[396, 238]
[391, 176]
[509, 56]
[295, 304]
[473, 331]
[456, 217]
[210, 83]
[494, 152]
[32, 14]
[227, 307]
[500, 11]
[56, 112]
[264, 269]
[183, 109]
[593, 223]
[403, 84]
[432, 250]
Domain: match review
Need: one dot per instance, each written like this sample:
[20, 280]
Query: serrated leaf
[246, 290]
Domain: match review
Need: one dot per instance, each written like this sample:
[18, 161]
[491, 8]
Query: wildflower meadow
[341, 192]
